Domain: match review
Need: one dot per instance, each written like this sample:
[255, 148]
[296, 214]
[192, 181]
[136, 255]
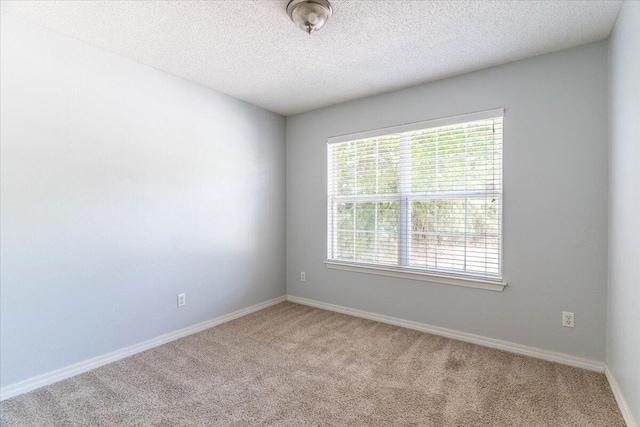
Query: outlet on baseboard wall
[567, 319]
[303, 276]
[182, 300]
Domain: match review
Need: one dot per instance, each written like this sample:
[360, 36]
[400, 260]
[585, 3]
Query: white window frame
[413, 273]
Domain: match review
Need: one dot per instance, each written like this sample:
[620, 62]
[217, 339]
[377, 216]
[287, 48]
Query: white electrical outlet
[567, 319]
[182, 300]
[303, 276]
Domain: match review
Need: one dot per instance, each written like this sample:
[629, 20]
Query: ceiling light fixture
[309, 15]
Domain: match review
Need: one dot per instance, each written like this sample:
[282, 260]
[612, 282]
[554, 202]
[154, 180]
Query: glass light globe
[309, 15]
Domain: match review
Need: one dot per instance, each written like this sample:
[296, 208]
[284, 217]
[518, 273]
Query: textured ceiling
[252, 51]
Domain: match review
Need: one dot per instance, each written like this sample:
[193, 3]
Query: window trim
[405, 272]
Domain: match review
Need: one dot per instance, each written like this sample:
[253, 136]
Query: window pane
[450, 252]
[344, 216]
[343, 168]
[423, 216]
[422, 251]
[367, 159]
[483, 255]
[389, 165]
[483, 217]
[387, 232]
[367, 231]
[388, 217]
[366, 217]
[450, 216]
[365, 246]
[450, 174]
[388, 248]
[423, 161]
[344, 245]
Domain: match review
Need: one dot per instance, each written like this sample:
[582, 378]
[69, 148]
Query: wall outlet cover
[567, 319]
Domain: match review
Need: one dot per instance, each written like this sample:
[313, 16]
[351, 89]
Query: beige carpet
[292, 365]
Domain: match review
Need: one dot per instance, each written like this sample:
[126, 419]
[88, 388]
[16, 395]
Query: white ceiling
[252, 51]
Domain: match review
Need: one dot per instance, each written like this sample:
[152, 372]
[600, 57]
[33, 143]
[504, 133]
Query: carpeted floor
[292, 365]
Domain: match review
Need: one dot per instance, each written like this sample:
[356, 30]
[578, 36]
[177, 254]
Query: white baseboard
[622, 402]
[45, 379]
[552, 356]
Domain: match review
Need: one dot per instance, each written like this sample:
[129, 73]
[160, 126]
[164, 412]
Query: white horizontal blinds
[428, 199]
[364, 200]
[455, 202]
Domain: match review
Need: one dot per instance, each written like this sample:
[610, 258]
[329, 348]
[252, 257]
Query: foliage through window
[425, 197]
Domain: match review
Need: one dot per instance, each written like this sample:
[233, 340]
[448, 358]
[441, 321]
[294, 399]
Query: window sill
[469, 282]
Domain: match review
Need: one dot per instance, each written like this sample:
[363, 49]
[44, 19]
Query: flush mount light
[309, 15]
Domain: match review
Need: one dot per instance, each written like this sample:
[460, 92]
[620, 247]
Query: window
[423, 198]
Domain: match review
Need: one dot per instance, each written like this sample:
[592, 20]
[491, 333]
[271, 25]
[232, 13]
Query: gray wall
[555, 203]
[623, 349]
[121, 187]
